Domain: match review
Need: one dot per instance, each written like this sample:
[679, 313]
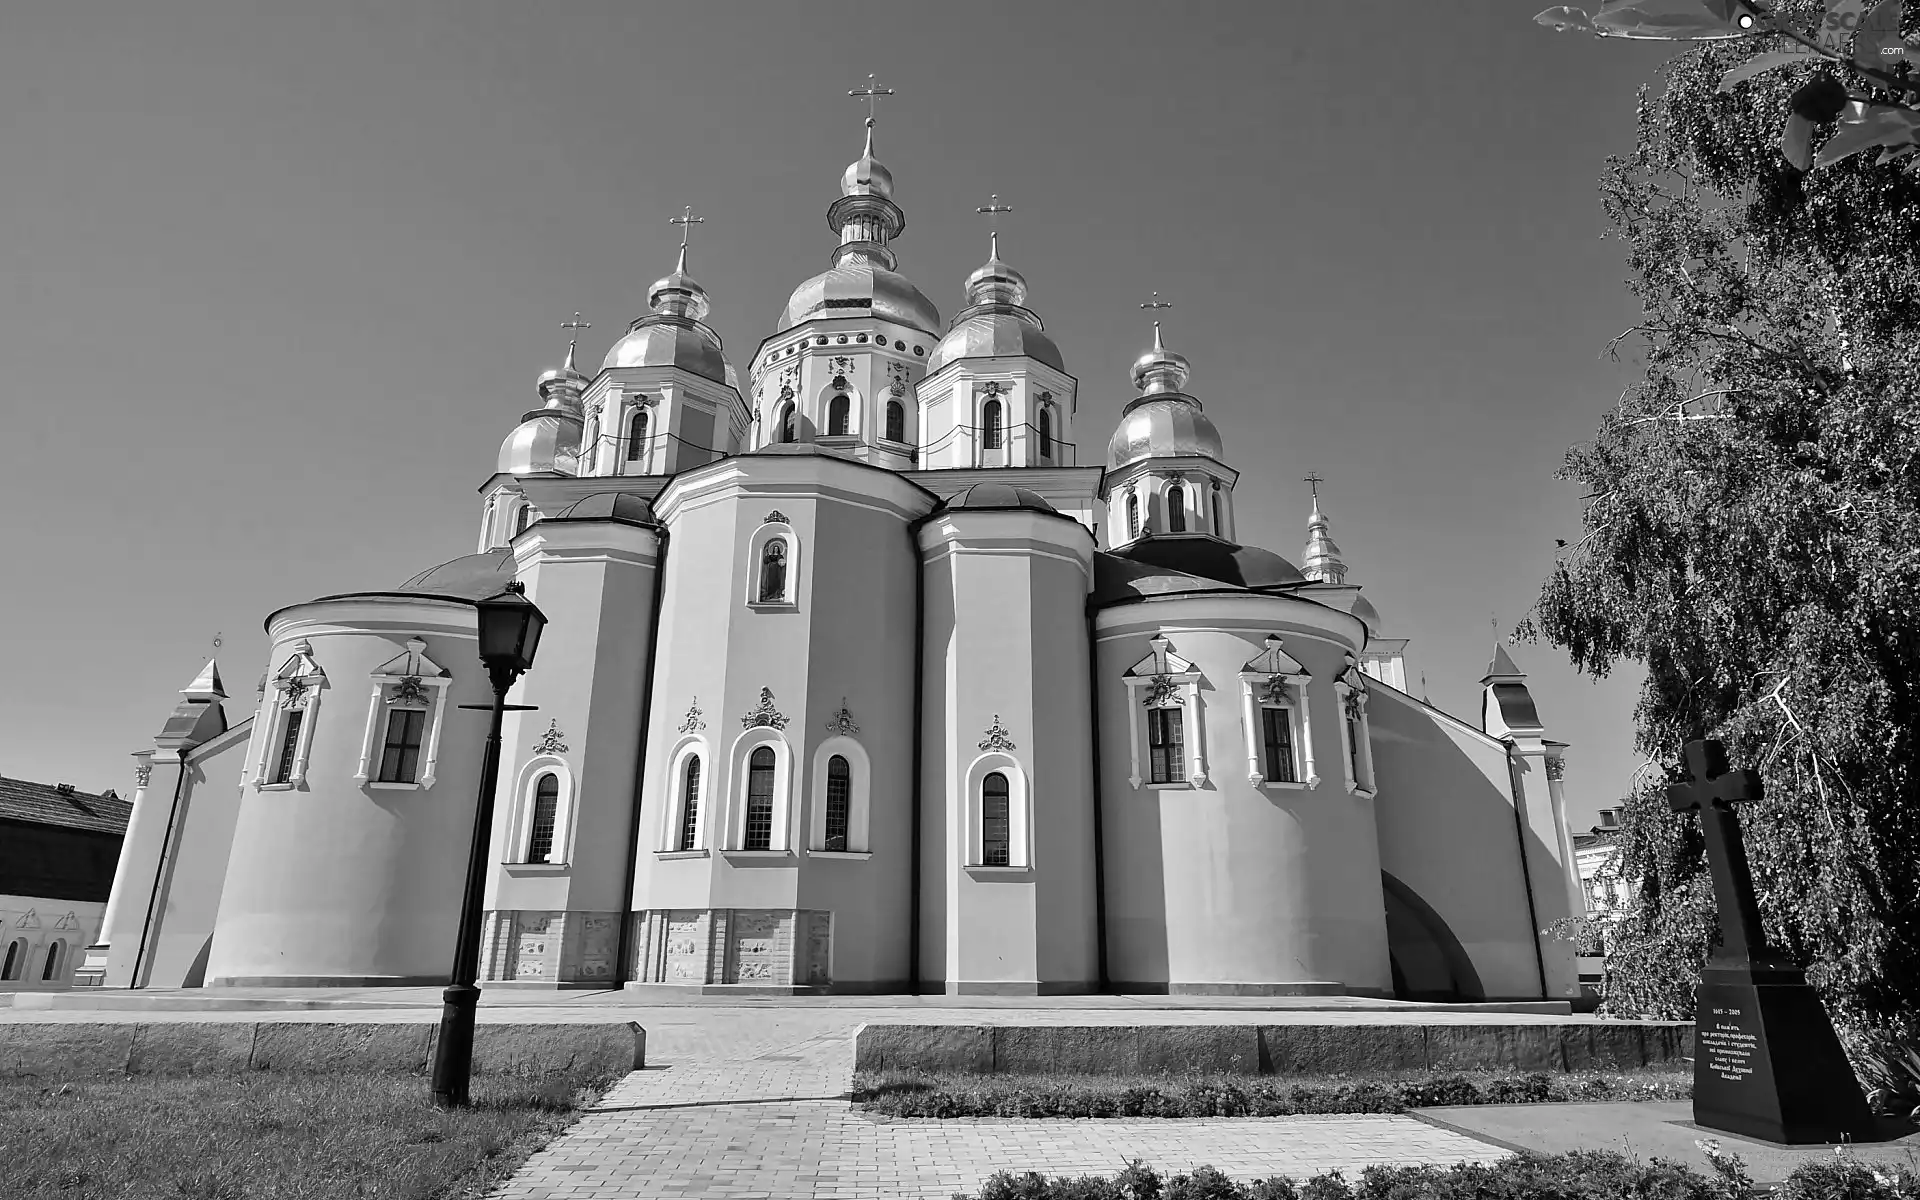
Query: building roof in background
[63, 805]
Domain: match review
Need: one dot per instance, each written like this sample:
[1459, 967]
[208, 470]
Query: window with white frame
[761, 788]
[758, 831]
[896, 421]
[1176, 509]
[292, 705]
[51, 970]
[839, 415]
[840, 785]
[689, 831]
[545, 818]
[1133, 514]
[542, 819]
[637, 436]
[772, 563]
[16, 964]
[990, 422]
[1163, 692]
[783, 422]
[402, 741]
[1273, 692]
[1046, 430]
[998, 814]
[1356, 739]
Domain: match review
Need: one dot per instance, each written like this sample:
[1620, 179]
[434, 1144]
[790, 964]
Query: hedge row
[1583, 1175]
[950, 1096]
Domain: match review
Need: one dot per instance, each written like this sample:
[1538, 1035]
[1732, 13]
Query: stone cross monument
[1766, 1061]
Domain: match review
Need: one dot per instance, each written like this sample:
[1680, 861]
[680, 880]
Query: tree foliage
[1752, 537]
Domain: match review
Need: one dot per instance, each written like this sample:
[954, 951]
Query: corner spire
[1321, 561]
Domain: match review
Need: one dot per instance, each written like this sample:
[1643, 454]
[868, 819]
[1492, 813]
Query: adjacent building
[58, 850]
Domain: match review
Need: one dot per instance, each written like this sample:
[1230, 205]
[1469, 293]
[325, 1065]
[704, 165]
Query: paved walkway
[748, 1104]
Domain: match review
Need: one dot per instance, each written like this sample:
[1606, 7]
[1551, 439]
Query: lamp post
[510, 628]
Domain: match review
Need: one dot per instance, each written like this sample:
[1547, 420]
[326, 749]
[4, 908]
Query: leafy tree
[1752, 532]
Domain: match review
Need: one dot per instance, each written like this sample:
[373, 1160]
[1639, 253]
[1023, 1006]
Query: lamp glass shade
[510, 626]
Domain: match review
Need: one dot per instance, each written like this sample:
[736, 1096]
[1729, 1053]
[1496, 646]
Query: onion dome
[862, 281]
[548, 438]
[469, 577]
[1322, 561]
[674, 333]
[1163, 422]
[996, 323]
[1368, 614]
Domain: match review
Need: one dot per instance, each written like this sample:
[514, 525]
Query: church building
[858, 679]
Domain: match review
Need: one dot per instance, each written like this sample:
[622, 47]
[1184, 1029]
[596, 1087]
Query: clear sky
[275, 280]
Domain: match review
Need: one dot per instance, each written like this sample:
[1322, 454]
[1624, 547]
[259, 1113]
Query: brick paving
[753, 1103]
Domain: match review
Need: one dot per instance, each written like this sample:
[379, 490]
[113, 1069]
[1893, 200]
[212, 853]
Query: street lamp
[510, 628]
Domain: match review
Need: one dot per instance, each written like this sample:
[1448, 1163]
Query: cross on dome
[993, 208]
[686, 221]
[572, 342]
[1313, 480]
[871, 94]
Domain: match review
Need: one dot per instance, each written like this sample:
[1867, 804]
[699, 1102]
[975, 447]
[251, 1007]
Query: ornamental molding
[551, 741]
[294, 694]
[786, 392]
[765, 716]
[776, 517]
[997, 738]
[1556, 768]
[842, 722]
[1161, 691]
[992, 388]
[897, 379]
[692, 722]
[1274, 690]
[141, 774]
[1045, 397]
[410, 690]
[841, 364]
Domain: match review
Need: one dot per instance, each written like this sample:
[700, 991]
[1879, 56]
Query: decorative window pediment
[1276, 719]
[1356, 736]
[1163, 690]
[401, 750]
[293, 704]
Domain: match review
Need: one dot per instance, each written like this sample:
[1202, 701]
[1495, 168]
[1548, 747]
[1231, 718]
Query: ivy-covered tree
[1752, 520]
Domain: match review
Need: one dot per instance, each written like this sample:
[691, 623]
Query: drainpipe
[620, 969]
[1526, 873]
[1099, 838]
[919, 707]
[159, 870]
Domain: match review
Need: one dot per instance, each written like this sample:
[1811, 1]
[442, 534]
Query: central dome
[1169, 427]
[858, 286]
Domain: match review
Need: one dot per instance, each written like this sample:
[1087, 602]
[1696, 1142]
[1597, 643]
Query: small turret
[1321, 560]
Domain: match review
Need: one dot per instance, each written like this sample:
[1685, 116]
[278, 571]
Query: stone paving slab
[760, 1109]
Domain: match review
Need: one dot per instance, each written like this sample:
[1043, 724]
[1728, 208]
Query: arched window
[16, 959]
[1133, 514]
[1176, 509]
[839, 801]
[525, 519]
[1219, 526]
[773, 572]
[52, 970]
[1046, 431]
[837, 409]
[690, 804]
[589, 441]
[996, 821]
[990, 425]
[759, 831]
[896, 421]
[546, 812]
[783, 423]
[637, 436]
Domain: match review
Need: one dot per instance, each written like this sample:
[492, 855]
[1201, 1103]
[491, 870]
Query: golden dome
[860, 286]
[865, 176]
[1164, 427]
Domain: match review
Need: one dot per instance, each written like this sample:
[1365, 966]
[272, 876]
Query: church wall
[1447, 832]
[180, 930]
[847, 634]
[594, 582]
[337, 882]
[1227, 886]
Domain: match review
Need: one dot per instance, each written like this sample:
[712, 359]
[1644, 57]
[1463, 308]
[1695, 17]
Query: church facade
[858, 679]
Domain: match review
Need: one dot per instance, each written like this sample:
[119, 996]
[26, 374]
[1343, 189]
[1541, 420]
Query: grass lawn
[921, 1095]
[270, 1136]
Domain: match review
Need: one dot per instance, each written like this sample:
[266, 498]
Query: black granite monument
[1766, 1061]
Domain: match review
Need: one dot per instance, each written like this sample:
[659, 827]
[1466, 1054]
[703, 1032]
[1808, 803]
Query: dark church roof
[609, 506]
[469, 577]
[1210, 558]
[997, 495]
[63, 805]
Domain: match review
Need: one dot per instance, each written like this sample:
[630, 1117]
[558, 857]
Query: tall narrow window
[1353, 741]
[990, 425]
[524, 519]
[896, 421]
[837, 410]
[50, 971]
[1219, 526]
[289, 742]
[1276, 727]
[1133, 514]
[400, 758]
[1176, 509]
[690, 805]
[839, 801]
[996, 821]
[1046, 431]
[783, 423]
[16, 956]
[546, 813]
[637, 436]
[1166, 746]
[773, 572]
[759, 800]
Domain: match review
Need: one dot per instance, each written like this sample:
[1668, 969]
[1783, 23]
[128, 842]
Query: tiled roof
[46, 804]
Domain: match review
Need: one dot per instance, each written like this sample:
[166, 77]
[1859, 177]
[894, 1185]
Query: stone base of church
[1287, 988]
[534, 946]
[326, 981]
[997, 987]
[787, 950]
